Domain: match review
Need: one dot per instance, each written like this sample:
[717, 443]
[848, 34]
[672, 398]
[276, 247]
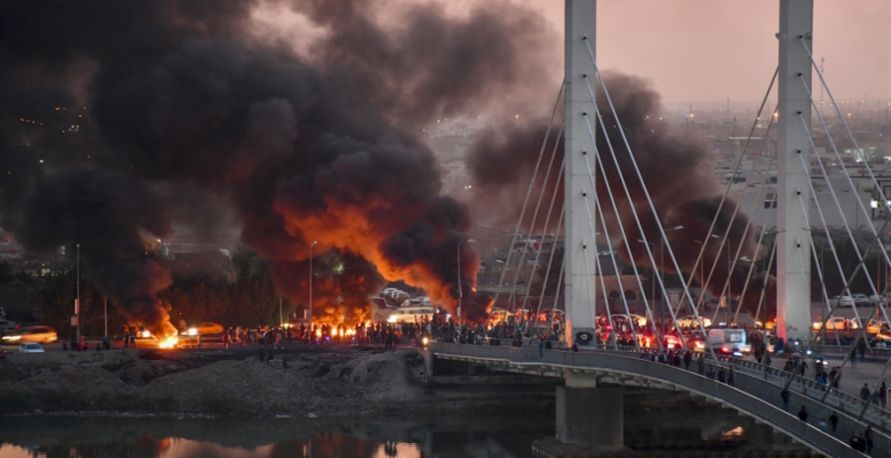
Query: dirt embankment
[312, 384]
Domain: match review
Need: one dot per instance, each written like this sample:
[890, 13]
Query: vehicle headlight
[12, 338]
[193, 331]
[425, 341]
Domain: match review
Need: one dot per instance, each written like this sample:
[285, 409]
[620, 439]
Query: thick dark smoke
[675, 166]
[108, 106]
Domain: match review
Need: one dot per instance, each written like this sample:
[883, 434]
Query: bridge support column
[578, 282]
[793, 238]
[591, 418]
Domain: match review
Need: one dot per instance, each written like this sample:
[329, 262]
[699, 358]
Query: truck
[729, 341]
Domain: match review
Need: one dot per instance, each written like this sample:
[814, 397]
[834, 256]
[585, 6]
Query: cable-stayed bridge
[609, 217]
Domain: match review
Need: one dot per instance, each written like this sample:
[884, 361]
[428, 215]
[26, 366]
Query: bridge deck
[751, 395]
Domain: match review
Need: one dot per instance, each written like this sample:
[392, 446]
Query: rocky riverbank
[294, 383]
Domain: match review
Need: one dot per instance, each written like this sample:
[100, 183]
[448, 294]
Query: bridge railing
[875, 415]
[751, 395]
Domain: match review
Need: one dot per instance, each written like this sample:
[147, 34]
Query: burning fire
[168, 342]
[166, 335]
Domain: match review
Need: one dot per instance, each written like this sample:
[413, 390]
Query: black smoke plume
[676, 168]
[108, 106]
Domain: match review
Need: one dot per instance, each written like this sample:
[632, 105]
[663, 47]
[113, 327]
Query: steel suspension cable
[590, 278]
[612, 256]
[544, 187]
[813, 249]
[594, 233]
[725, 289]
[877, 234]
[507, 262]
[773, 255]
[544, 283]
[707, 281]
[844, 218]
[832, 247]
[630, 201]
[646, 191]
[628, 251]
[700, 256]
[527, 237]
[758, 245]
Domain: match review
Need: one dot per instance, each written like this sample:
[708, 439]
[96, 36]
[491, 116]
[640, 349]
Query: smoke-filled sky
[703, 50]
[302, 118]
[118, 116]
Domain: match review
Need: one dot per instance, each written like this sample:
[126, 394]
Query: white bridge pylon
[580, 244]
[580, 262]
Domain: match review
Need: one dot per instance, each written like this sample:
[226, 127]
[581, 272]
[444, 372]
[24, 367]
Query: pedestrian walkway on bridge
[773, 397]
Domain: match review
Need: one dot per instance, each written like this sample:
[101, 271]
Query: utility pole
[460, 283]
[77, 298]
[105, 315]
[311, 246]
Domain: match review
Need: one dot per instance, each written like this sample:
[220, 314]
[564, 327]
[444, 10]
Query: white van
[729, 341]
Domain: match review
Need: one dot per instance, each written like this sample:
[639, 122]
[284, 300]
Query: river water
[95, 437]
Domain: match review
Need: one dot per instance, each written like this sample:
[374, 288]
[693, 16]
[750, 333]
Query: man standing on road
[883, 395]
[864, 392]
[802, 414]
[833, 422]
[861, 348]
[785, 396]
[688, 357]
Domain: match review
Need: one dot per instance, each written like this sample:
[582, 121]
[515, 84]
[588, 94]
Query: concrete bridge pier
[589, 415]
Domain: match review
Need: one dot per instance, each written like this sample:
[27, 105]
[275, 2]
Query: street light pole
[657, 270]
[105, 314]
[313, 244]
[77, 299]
[701, 276]
[460, 287]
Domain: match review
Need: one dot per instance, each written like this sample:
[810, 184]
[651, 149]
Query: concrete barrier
[67, 358]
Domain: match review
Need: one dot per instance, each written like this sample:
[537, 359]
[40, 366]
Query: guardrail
[875, 415]
[750, 395]
[880, 353]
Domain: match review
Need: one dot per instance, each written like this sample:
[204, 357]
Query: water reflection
[56, 437]
[322, 445]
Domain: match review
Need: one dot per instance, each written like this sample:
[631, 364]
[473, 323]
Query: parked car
[31, 348]
[35, 334]
[860, 299]
[874, 326]
[876, 299]
[690, 321]
[841, 301]
[836, 323]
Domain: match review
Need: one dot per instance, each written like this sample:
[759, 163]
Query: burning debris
[313, 147]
